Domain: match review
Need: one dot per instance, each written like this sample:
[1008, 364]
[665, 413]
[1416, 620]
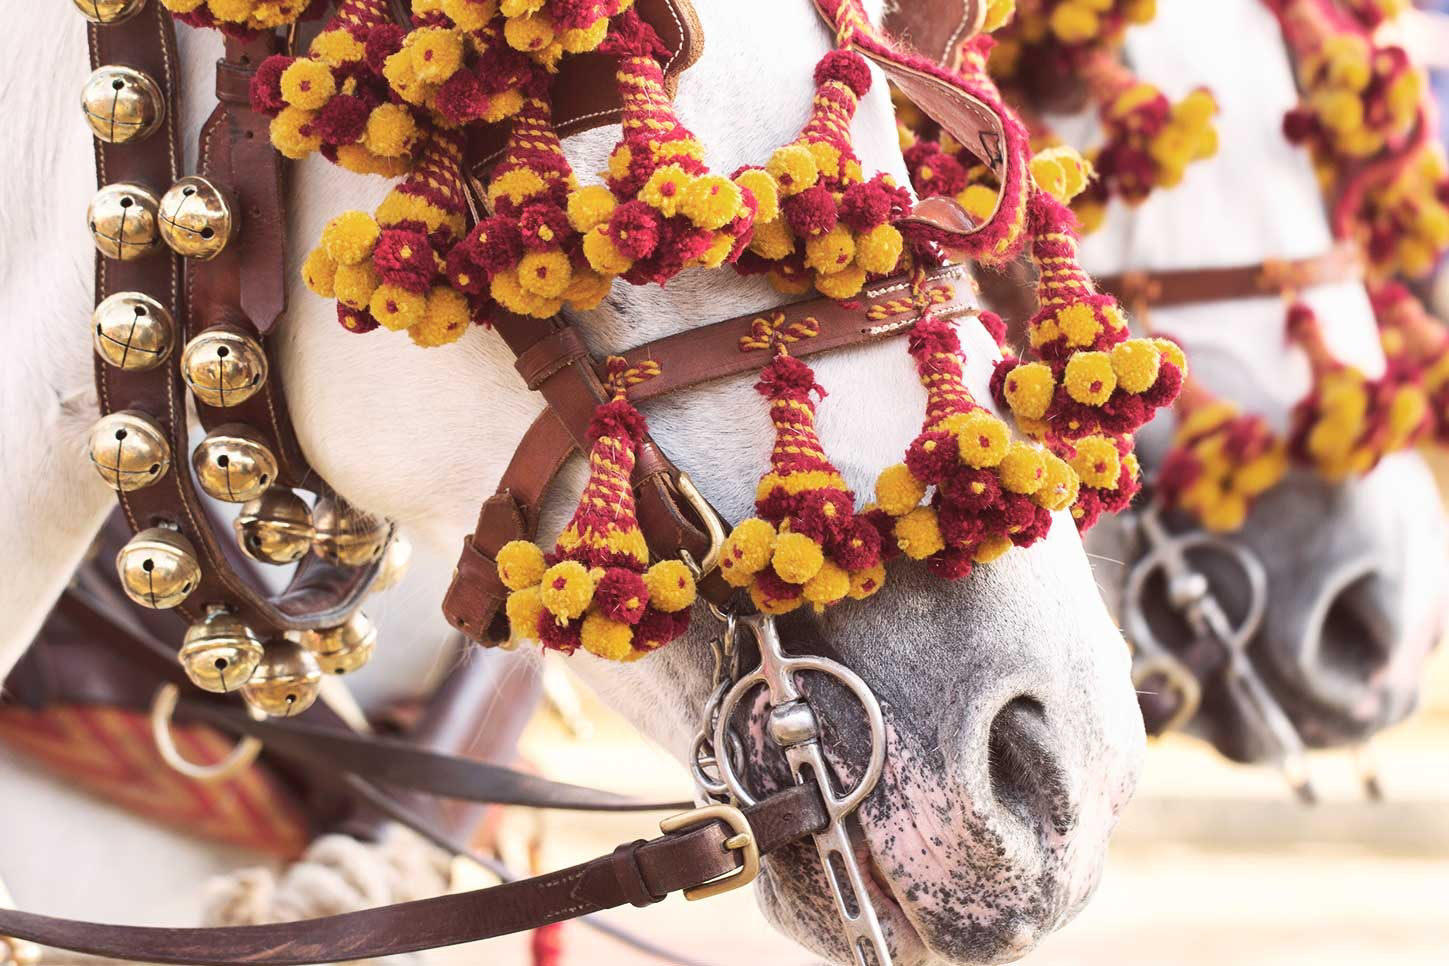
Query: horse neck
[1257, 200]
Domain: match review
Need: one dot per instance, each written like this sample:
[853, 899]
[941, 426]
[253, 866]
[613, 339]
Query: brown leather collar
[1191, 286]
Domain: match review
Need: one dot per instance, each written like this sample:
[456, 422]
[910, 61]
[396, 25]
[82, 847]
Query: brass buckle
[742, 840]
[713, 526]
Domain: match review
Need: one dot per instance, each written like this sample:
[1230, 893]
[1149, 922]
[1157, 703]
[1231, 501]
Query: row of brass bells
[223, 366]
[347, 536]
[286, 682]
[194, 218]
[345, 648]
[232, 464]
[220, 653]
[395, 561]
[276, 527]
[122, 104]
[158, 568]
[132, 331]
[108, 11]
[129, 450]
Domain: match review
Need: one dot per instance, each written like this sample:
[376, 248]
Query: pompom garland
[988, 492]
[1414, 341]
[240, 17]
[596, 590]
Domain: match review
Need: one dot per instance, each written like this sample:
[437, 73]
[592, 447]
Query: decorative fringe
[596, 589]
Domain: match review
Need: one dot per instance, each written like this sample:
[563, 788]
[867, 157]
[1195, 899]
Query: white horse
[1014, 737]
[1356, 570]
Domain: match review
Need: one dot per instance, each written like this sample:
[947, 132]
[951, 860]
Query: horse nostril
[1356, 639]
[1026, 772]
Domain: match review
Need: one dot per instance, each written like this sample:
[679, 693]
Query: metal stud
[286, 682]
[220, 653]
[345, 648]
[395, 561]
[233, 464]
[275, 528]
[122, 219]
[158, 568]
[129, 450]
[108, 11]
[345, 535]
[197, 218]
[133, 331]
[223, 367]
[122, 104]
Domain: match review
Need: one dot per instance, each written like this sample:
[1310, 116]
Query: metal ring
[163, 707]
[1167, 556]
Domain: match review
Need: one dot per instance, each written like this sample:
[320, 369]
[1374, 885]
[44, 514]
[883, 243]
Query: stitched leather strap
[936, 28]
[1191, 286]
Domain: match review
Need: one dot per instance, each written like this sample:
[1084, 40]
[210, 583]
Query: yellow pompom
[318, 272]
[842, 285]
[863, 583]
[528, 34]
[992, 548]
[1023, 469]
[607, 638]
[588, 289]
[1029, 390]
[545, 273]
[1089, 378]
[831, 584]
[793, 168]
[396, 308]
[767, 196]
[581, 39]
[1225, 514]
[291, 135]
[718, 250]
[509, 292]
[567, 588]
[503, 106]
[520, 8]
[359, 160]
[390, 131]
[746, 551]
[349, 237]
[1172, 353]
[1059, 484]
[772, 240]
[997, 13]
[898, 491]
[1079, 324]
[520, 564]
[1097, 462]
[773, 606]
[671, 586]
[918, 533]
[1060, 172]
[878, 250]
[711, 201]
[1074, 24]
[1262, 474]
[830, 252]
[469, 15]
[444, 320]
[354, 285]
[978, 200]
[524, 608]
[827, 158]
[307, 84]
[1136, 363]
[590, 207]
[665, 189]
[604, 255]
[797, 557]
[982, 438]
[336, 47]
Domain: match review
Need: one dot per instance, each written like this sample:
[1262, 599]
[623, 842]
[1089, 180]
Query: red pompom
[544, 227]
[556, 636]
[950, 564]
[342, 119]
[858, 546]
[266, 86]
[933, 456]
[355, 320]
[404, 258]
[617, 418]
[994, 325]
[381, 43]
[622, 595]
[865, 206]
[787, 377]
[811, 212]
[630, 36]
[462, 99]
[634, 229]
[847, 67]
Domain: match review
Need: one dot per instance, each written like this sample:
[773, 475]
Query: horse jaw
[1354, 569]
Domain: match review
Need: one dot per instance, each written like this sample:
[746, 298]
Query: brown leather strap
[936, 28]
[641, 870]
[1191, 286]
[556, 362]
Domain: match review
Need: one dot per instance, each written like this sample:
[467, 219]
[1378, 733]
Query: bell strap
[1141, 290]
[703, 849]
[558, 364]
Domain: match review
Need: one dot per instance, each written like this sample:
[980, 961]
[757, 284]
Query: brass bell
[196, 218]
[395, 560]
[220, 652]
[286, 682]
[344, 648]
[223, 367]
[122, 219]
[276, 527]
[122, 104]
[133, 331]
[158, 568]
[108, 11]
[233, 464]
[129, 450]
[345, 535]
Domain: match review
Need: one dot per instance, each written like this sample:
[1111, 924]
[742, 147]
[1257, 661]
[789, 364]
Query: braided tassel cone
[661, 210]
[991, 493]
[596, 590]
[1348, 422]
[1221, 461]
[527, 256]
[335, 100]
[387, 269]
[807, 543]
[1415, 341]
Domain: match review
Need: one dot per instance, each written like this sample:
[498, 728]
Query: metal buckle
[742, 841]
[713, 526]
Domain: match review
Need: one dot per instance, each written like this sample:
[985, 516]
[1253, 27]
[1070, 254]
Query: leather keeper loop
[625, 864]
[233, 82]
[550, 354]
